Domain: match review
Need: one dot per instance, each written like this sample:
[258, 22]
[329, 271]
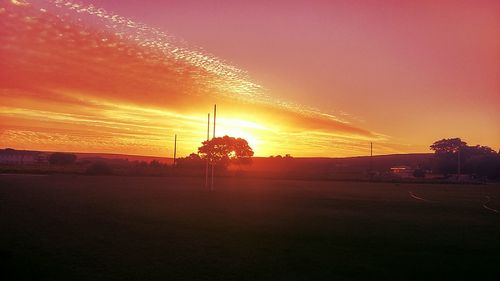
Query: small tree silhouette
[192, 161]
[225, 150]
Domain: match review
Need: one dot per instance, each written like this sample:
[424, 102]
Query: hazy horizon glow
[75, 77]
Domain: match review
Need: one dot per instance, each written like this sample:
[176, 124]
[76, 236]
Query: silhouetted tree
[478, 150]
[481, 161]
[191, 161]
[225, 150]
[156, 164]
[446, 154]
[60, 158]
[193, 157]
[287, 156]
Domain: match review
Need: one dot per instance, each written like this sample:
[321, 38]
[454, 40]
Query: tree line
[451, 156]
[455, 156]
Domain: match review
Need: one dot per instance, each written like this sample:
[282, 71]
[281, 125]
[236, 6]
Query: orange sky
[77, 78]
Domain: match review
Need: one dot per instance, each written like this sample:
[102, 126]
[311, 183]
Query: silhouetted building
[402, 171]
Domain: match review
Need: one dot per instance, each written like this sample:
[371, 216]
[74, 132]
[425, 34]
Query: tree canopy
[448, 146]
[225, 150]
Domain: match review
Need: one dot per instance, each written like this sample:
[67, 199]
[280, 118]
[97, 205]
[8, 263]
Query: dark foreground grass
[125, 228]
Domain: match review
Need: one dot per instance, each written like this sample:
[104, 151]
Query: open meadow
[68, 227]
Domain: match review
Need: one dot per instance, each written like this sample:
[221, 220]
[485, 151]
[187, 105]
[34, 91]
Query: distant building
[402, 171]
[22, 157]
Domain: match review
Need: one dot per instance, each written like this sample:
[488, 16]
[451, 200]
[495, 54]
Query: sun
[240, 129]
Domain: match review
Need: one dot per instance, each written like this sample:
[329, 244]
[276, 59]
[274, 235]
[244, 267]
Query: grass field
[130, 228]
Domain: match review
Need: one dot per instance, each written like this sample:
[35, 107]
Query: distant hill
[275, 167]
[353, 164]
[91, 156]
[82, 156]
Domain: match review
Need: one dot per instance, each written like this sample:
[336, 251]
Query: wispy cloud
[77, 77]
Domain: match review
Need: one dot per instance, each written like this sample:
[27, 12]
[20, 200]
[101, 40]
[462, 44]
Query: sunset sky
[308, 78]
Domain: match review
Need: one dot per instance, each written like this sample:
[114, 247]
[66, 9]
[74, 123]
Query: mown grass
[130, 228]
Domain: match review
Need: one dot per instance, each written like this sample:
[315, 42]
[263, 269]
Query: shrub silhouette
[192, 161]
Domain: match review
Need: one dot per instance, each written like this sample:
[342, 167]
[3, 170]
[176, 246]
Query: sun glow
[253, 132]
